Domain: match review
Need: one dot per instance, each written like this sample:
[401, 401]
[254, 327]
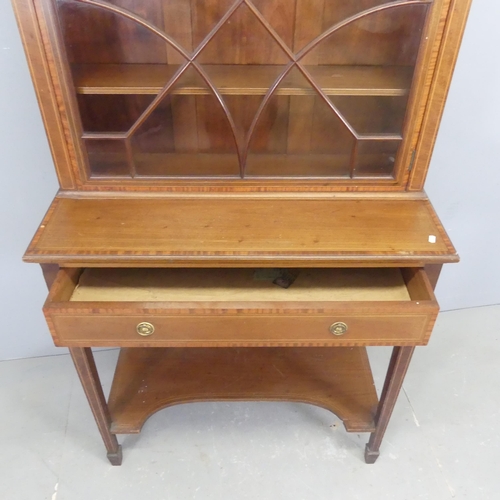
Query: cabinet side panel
[45, 92]
[421, 86]
[445, 64]
[47, 59]
[48, 23]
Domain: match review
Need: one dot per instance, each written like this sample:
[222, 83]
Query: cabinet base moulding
[198, 144]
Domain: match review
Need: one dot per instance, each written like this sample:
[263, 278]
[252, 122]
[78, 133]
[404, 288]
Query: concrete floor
[443, 441]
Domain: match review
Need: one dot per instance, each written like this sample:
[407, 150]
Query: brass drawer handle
[338, 328]
[145, 329]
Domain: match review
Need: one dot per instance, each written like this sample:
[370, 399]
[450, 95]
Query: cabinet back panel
[94, 35]
[390, 36]
[111, 113]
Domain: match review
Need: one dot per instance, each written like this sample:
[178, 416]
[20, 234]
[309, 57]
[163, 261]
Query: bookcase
[241, 205]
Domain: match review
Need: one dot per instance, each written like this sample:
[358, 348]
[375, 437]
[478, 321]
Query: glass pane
[172, 16]
[385, 38]
[280, 17]
[243, 40]
[376, 158]
[111, 113]
[373, 114]
[205, 16]
[107, 158]
[299, 135]
[365, 68]
[118, 66]
[186, 135]
[94, 35]
[338, 113]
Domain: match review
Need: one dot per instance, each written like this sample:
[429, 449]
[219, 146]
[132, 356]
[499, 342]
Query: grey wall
[464, 178]
[28, 183]
[464, 183]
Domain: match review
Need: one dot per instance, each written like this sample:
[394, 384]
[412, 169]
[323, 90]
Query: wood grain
[384, 31]
[49, 272]
[243, 39]
[433, 272]
[95, 71]
[208, 308]
[204, 232]
[60, 75]
[370, 325]
[308, 25]
[177, 19]
[398, 366]
[444, 66]
[422, 79]
[95, 35]
[111, 113]
[147, 380]
[389, 37]
[242, 80]
[87, 372]
[45, 91]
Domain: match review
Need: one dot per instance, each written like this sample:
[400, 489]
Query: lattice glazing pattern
[242, 89]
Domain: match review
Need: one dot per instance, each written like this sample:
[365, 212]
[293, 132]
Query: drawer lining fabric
[172, 285]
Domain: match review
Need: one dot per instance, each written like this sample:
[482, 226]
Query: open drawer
[240, 307]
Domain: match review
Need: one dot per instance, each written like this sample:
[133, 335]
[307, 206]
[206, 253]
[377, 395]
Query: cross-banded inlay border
[242, 144]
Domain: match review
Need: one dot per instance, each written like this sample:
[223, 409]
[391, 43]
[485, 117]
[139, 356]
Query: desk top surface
[208, 232]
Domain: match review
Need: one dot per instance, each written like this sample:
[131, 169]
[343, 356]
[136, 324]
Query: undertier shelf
[232, 79]
[147, 380]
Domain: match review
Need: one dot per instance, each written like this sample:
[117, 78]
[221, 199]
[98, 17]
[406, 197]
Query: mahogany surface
[284, 30]
[204, 232]
[252, 315]
[398, 365]
[87, 371]
[147, 380]
[239, 134]
[233, 79]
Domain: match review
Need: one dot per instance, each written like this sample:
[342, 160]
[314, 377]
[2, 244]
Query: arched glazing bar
[190, 61]
[243, 144]
[295, 62]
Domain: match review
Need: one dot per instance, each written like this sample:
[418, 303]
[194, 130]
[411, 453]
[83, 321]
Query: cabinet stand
[87, 371]
[398, 365]
[241, 205]
[342, 397]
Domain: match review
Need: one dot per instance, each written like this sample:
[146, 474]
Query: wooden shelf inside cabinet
[147, 380]
[228, 138]
[234, 79]
[225, 166]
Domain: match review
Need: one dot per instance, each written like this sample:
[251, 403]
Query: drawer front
[241, 329]
[192, 320]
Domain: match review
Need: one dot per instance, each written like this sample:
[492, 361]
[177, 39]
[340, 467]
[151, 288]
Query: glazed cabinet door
[241, 92]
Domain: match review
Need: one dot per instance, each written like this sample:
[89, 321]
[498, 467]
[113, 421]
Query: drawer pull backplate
[145, 329]
[338, 328]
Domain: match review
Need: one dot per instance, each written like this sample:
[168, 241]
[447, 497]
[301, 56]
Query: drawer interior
[244, 307]
[228, 285]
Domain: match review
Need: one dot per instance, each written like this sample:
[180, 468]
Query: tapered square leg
[87, 371]
[398, 366]
[116, 458]
[371, 456]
